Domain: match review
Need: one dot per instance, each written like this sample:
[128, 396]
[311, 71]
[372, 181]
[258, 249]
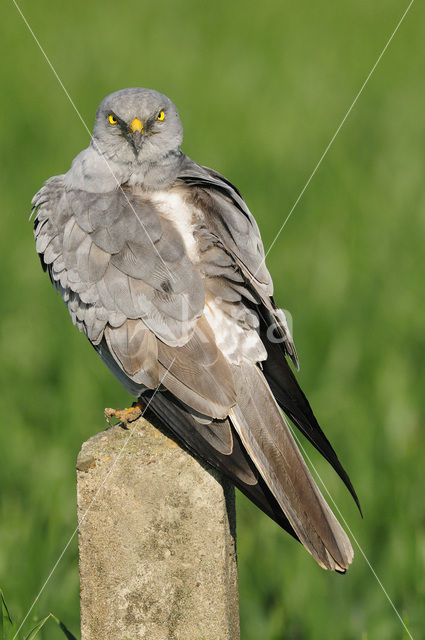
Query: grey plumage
[161, 265]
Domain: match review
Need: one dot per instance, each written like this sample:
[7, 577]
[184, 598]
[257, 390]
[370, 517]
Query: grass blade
[4, 615]
[34, 631]
[66, 631]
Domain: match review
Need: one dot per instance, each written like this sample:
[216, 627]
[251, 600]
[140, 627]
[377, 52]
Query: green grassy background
[261, 88]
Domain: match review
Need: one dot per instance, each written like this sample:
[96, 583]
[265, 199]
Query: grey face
[139, 124]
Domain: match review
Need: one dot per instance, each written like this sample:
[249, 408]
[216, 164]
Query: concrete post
[156, 541]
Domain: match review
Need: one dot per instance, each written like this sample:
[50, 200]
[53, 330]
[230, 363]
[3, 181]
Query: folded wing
[129, 285]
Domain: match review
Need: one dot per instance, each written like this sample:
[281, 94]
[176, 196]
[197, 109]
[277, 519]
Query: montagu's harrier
[161, 265]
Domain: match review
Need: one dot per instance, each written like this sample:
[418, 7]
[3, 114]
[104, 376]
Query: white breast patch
[173, 207]
[234, 340]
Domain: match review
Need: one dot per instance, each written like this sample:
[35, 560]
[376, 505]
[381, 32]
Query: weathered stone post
[156, 541]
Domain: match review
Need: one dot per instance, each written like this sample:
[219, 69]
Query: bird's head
[137, 123]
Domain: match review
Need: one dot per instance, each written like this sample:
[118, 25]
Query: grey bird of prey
[161, 265]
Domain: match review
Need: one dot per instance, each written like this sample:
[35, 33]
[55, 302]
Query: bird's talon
[124, 416]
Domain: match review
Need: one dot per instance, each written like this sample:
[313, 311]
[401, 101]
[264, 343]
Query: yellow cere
[136, 125]
[112, 119]
[161, 116]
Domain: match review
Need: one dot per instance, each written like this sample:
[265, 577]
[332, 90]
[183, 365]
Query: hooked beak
[136, 128]
[136, 125]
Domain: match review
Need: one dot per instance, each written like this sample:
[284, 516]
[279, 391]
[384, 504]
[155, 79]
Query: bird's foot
[124, 416]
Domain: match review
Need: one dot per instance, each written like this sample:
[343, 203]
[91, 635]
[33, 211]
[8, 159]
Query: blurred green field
[261, 88]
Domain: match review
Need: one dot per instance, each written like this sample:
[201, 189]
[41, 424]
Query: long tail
[292, 400]
[265, 435]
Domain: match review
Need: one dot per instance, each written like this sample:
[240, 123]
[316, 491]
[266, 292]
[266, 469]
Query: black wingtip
[292, 400]
[346, 480]
[317, 439]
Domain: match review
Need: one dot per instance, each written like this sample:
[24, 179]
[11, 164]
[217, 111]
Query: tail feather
[292, 400]
[266, 437]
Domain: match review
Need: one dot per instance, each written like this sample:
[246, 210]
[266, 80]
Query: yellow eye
[161, 116]
[112, 119]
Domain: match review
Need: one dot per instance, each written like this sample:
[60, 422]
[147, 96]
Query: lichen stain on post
[156, 542]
